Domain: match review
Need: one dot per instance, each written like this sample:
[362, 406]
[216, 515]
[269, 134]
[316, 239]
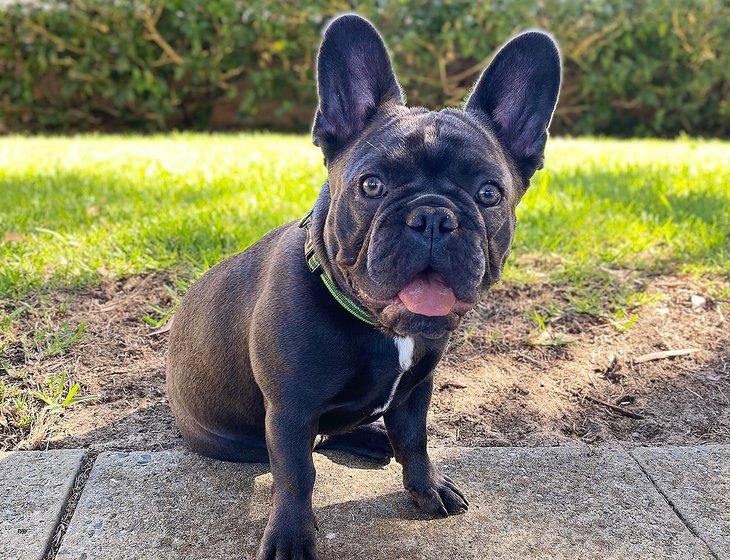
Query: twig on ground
[531, 360]
[665, 354]
[451, 385]
[613, 407]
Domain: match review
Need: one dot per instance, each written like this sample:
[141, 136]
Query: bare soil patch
[502, 389]
[504, 381]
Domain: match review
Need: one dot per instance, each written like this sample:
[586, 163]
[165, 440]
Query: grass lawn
[77, 212]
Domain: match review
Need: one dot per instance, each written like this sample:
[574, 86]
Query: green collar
[315, 267]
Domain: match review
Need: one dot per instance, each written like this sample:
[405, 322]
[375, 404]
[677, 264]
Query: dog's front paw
[438, 495]
[288, 539]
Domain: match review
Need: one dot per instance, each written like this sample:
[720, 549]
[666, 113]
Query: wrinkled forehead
[434, 142]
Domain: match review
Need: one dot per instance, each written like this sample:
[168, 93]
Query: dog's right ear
[355, 78]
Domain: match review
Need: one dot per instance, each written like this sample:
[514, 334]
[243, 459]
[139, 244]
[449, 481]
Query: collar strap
[315, 267]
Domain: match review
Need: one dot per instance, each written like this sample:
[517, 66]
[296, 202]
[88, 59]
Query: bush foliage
[632, 67]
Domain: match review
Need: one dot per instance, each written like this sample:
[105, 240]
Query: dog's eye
[489, 194]
[373, 187]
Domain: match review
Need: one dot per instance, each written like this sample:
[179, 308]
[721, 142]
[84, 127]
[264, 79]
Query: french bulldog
[326, 332]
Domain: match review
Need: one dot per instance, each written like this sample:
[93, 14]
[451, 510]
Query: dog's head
[418, 213]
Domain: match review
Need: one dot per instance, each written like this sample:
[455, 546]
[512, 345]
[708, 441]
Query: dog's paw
[284, 540]
[439, 496]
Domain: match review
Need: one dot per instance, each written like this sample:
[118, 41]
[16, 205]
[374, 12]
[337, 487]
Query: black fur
[518, 94]
[262, 359]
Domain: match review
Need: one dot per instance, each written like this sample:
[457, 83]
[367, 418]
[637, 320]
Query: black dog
[324, 327]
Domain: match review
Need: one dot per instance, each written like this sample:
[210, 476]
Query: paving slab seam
[674, 507]
[68, 511]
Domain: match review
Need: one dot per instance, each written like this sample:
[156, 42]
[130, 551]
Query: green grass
[74, 210]
[57, 394]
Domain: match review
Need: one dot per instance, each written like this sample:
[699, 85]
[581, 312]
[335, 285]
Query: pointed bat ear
[518, 93]
[355, 78]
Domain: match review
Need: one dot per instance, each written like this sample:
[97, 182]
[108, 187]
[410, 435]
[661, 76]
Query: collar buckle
[315, 267]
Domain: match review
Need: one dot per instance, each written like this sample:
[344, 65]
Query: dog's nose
[432, 220]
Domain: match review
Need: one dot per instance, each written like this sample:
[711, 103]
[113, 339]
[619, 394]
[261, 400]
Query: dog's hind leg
[243, 448]
[369, 441]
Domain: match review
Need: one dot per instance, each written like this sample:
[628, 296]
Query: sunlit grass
[74, 210]
[655, 206]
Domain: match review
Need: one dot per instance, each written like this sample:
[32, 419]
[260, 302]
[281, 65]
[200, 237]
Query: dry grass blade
[163, 329]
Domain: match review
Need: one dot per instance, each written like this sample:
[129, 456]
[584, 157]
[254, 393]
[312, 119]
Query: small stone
[144, 459]
[330, 536]
[662, 311]
[697, 301]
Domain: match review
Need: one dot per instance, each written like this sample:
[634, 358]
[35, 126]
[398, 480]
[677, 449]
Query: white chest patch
[404, 345]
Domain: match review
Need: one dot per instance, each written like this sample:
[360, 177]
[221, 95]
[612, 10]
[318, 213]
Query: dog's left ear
[518, 93]
[355, 78]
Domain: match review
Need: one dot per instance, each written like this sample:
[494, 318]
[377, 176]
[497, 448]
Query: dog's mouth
[427, 294]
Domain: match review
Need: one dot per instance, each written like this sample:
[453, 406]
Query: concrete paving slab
[557, 503]
[34, 487]
[696, 481]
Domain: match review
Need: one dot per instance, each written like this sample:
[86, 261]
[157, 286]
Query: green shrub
[653, 67]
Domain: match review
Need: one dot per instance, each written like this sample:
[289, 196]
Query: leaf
[623, 326]
[43, 397]
[70, 396]
[548, 337]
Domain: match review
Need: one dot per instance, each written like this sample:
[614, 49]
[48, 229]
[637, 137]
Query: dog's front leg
[434, 492]
[290, 531]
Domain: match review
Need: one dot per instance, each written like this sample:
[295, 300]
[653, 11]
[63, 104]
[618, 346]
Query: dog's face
[422, 204]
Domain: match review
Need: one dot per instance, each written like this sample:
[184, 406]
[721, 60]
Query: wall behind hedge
[654, 67]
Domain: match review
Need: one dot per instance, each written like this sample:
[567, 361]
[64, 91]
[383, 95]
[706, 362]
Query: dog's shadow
[388, 503]
[392, 505]
[346, 459]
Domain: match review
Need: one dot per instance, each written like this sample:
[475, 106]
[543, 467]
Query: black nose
[432, 220]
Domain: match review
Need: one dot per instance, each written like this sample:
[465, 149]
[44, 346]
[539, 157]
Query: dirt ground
[502, 382]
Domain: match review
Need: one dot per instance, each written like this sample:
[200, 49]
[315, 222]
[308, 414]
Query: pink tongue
[427, 294]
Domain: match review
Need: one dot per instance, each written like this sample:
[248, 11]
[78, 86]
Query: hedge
[656, 67]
